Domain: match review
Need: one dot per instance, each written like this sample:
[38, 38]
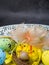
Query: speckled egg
[2, 56]
[6, 43]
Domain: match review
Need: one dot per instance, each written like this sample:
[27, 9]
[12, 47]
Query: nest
[18, 61]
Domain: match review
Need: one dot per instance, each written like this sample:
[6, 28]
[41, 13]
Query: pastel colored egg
[2, 56]
[45, 57]
[6, 43]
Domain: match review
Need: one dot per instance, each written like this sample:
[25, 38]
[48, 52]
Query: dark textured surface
[27, 11]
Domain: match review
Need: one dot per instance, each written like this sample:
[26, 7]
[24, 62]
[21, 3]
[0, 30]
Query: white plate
[6, 29]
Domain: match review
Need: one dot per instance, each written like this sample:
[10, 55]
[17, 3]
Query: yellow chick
[8, 58]
[33, 53]
[18, 49]
[37, 57]
[26, 47]
[11, 63]
[22, 47]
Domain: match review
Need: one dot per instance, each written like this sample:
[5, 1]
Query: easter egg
[6, 43]
[24, 56]
[2, 56]
[45, 57]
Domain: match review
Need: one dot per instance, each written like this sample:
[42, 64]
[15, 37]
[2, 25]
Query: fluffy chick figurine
[33, 52]
[8, 60]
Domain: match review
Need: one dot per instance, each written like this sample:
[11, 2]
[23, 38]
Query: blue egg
[2, 56]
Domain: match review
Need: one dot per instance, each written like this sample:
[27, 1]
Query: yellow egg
[45, 57]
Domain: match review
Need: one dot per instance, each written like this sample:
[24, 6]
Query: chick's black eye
[24, 45]
[33, 51]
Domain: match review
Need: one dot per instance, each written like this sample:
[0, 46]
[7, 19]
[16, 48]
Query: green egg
[6, 43]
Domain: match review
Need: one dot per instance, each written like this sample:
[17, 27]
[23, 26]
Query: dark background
[27, 11]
